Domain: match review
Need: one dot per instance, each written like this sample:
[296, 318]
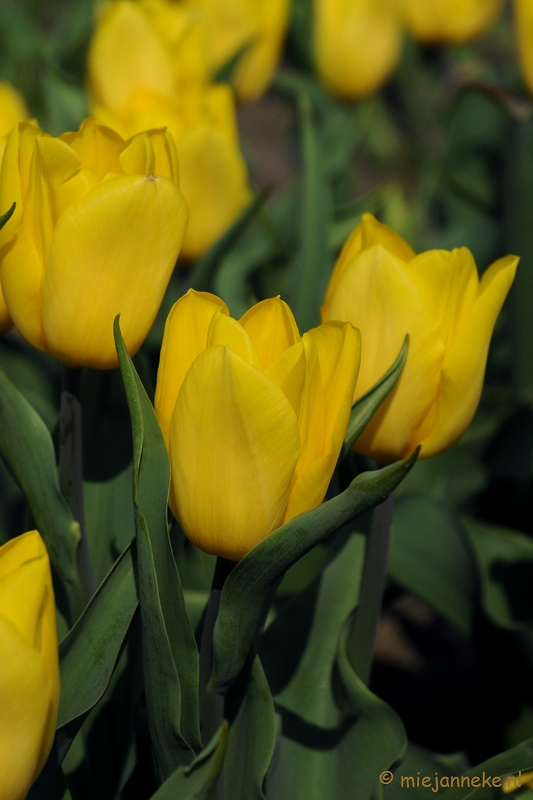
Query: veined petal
[451, 283]
[112, 253]
[226, 331]
[126, 52]
[214, 181]
[25, 712]
[333, 353]
[368, 233]
[16, 171]
[185, 338]
[378, 295]
[272, 328]
[289, 372]
[464, 364]
[139, 157]
[21, 273]
[233, 447]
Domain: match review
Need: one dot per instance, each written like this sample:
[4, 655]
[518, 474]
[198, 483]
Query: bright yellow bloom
[97, 230]
[29, 667]
[148, 67]
[383, 287]
[254, 417]
[258, 26]
[449, 21]
[524, 33]
[356, 44]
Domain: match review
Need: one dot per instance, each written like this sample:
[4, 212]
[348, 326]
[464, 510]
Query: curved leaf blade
[253, 579]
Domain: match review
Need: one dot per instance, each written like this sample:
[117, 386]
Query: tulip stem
[71, 468]
[362, 636]
[211, 705]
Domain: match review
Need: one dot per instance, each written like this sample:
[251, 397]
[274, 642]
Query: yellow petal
[272, 328]
[5, 320]
[233, 447]
[112, 253]
[218, 106]
[13, 108]
[523, 10]
[368, 233]
[333, 353]
[464, 364]
[226, 331]
[185, 338]
[450, 281]
[126, 52]
[289, 373]
[230, 24]
[214, 181]
[98, 147]
[256, 67]
[378, 295]
[356, 44]
[449, 21]
[25, 713]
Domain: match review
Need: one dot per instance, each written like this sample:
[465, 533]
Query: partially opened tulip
[356, 44]
[254, 417]
[383, 287]
[96, 232]
[13, 109]
[29, 668]
[449, 21]
[254, 30]
[148, 67]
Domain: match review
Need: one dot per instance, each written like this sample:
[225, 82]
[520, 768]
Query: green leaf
[313, 262]
[27, 446]
[336, 736]
[201, 278]
[197, 781]
[418, 764]
[505, 563]
[7, 216]
[89, 653]
[253, 579]
[430, 557]
[170, 653]
[367, 405]
[518, 759]
[252, 739]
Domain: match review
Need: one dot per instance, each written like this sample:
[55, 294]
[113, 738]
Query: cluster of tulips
[253, 411]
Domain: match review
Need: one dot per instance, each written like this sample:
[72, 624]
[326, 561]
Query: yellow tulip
[254, 27]
[383, 287]
[356, 44]
[254, 417]
[449, 21]
[29, 668]
[97, 230]
[524, 33]
[148, 68]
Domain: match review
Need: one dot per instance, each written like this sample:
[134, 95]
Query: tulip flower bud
[29, 672]
[356, 44]
[449, 21]
[254, 417]
[148, 68]
[96, 232]
[524, 33]
[383, 287]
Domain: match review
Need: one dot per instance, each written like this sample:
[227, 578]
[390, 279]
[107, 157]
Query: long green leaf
[90, 652]
[27, 446]
[368, 404]
[170, 654]
[197, 781]
[510, 763]
[252, 580]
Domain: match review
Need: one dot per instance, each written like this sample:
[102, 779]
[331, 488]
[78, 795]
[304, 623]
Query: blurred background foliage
[444, 154]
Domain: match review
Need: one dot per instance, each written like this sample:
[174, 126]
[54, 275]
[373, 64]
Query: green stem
[211, 704]
[71, 468]
[362, 636]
